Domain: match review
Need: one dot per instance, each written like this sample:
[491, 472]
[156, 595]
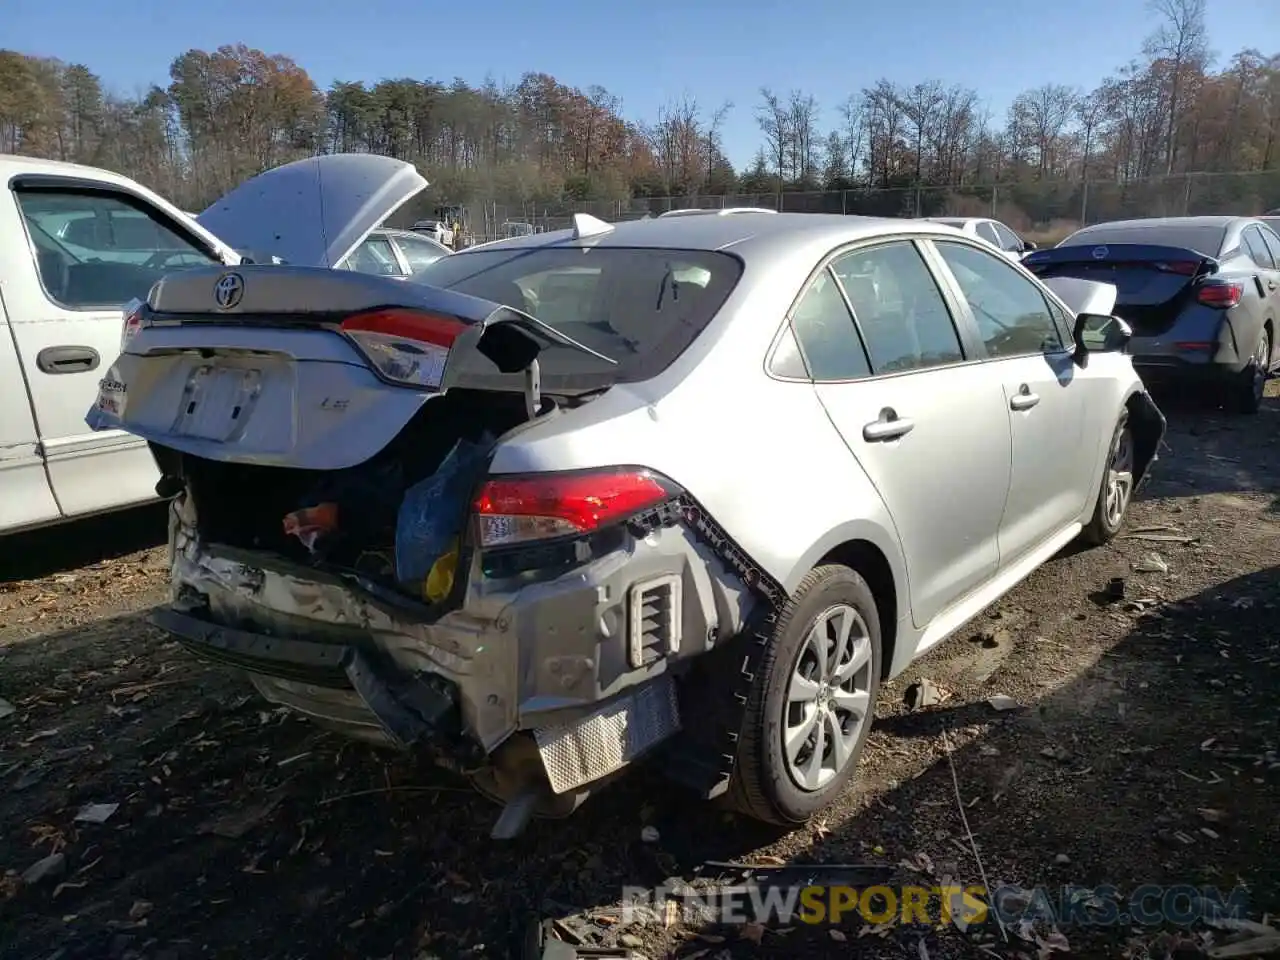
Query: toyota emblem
[1099, 253]
[229, 290]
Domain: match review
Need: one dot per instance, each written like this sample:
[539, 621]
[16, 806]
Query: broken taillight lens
[514, 510]
[407, 347]
[134, 320]
[1221, 294]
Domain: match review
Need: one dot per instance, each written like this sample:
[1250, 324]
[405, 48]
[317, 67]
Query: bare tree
[712, 133]
[1181, 41]
[774, 120]
[803, 123]
[921, 106]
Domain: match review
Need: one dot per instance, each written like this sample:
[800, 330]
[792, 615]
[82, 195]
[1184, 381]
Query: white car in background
[993, 232]
[437, 230]
[78, 243]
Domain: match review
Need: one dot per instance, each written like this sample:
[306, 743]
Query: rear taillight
[134, 320]
[1220, 294]
[1186, 268]
[515, 510]
[408, 347]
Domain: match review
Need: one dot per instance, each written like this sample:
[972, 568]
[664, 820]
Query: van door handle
[67, 359]
[890, 426]
[1024, 399]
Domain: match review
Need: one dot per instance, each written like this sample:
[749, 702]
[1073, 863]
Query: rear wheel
[811, 709]
[1116, 490]
[1252, 380]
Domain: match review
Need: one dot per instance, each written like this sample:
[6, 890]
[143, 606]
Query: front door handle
[67, 359]
[1024, 399]
[890, 426]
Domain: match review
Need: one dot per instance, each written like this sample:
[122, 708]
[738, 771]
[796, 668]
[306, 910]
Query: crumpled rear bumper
[553, 663]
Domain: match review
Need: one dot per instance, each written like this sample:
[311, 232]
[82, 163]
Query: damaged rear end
[325, 438]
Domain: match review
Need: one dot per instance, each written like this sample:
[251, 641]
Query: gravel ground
[1143, 750]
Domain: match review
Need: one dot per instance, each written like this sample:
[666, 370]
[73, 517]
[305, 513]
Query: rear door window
[824, 329]
[375, 256]
[988, 233]
[97, 249]
[1272, 240]
[1008, 239]
[419, 252]
[1256, 247]
[899, 309]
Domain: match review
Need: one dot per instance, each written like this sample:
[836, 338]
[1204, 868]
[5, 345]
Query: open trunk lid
[308, 367]
[313, 212]
[1152, 282]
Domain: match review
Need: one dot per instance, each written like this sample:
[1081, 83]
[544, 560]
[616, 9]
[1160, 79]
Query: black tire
[762, 786]
[1251, 383]
[1104, 525]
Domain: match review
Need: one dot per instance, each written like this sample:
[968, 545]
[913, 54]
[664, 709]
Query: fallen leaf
[837, 935]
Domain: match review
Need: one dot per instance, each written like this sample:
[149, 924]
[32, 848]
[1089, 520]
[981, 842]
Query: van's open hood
[313, 212]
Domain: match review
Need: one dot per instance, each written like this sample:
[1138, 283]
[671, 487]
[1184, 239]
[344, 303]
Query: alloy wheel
[1119, 477]
[828, 698]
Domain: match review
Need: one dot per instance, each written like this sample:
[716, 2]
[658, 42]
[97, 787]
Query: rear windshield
[1200, 238]
[640, 307]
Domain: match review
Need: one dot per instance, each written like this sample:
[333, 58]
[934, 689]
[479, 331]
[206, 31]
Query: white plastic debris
[96, 812]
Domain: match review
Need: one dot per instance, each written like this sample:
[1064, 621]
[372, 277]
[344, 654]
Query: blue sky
[645, 52]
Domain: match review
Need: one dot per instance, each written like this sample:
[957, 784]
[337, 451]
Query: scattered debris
[923, 693]
[1115, 589]
[1001, 703]
[236, 823]
[6, 708]
[96, 812]
[650, 835]
[1152, 563]
[140, 909]
[50, 867]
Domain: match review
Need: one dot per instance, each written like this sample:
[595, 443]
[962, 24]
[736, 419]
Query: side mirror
[1028, 246]
[1095, 333]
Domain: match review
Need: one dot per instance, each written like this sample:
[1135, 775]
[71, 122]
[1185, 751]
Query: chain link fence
[1041, 210]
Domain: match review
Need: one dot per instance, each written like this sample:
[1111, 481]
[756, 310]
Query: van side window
[96, 249]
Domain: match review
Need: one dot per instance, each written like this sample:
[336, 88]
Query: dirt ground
[1143, 751]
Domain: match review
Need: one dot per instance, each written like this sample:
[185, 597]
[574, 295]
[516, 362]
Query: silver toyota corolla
[693, 485]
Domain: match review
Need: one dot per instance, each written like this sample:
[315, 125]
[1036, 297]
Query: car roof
[1221, 222]
[14, 165]
[748, 234]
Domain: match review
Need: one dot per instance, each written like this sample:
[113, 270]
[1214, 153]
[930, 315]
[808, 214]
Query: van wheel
[813, 702]
[1116, 491]
[1252, 383]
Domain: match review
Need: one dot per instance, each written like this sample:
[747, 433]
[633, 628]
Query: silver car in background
[693, 484]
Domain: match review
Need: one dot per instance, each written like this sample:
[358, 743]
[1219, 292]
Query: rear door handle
[67, 359]
[1024, 399]
[890, 426]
